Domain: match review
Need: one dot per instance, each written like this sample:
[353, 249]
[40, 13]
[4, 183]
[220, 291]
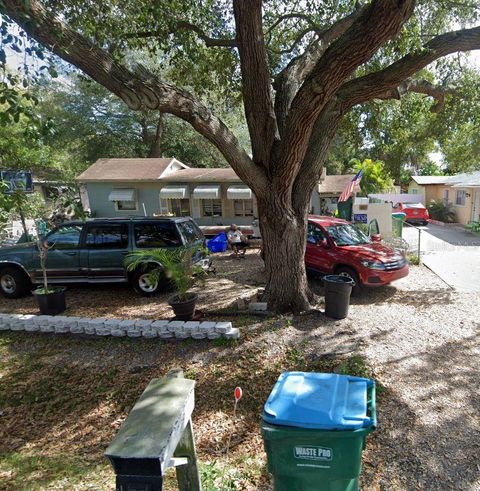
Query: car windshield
[346, 235]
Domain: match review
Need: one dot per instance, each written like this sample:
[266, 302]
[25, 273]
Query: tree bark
[156, 143]
[284, 239]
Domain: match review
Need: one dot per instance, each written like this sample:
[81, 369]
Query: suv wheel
[13, 282]
[144, 285]
[352, 274]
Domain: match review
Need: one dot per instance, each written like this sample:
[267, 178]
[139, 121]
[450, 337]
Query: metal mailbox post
[156, 435]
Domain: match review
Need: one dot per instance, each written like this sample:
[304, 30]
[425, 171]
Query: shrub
[444, 212]
[474, 227]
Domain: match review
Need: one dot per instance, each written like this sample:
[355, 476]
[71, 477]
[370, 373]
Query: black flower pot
[184, 309]
[51, 303]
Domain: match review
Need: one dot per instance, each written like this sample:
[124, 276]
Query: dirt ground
[62, 398]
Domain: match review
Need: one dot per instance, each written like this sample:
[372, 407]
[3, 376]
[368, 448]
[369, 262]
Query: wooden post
[188, 475]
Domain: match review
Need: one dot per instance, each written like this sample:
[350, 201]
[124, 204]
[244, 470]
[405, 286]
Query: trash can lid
[325, 401]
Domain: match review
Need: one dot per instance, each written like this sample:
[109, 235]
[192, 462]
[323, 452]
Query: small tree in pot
[51, 300]
[177, 267]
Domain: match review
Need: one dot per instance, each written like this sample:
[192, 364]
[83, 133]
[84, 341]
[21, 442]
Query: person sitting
[237, 241]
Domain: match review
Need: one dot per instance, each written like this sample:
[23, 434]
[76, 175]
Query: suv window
[190, 231]
[66, 237]
[114, 236]
[162, 234]
[314, 233]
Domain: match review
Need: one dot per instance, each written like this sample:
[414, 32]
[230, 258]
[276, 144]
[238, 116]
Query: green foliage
[355, 365]
[430, 169]
[413, 259]
[176, 265]
[474, 227]
[439, 210]
[375, 179]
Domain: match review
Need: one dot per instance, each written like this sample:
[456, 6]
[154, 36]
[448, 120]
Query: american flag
[351, 186]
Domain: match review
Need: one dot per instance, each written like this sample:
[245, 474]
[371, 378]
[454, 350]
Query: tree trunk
[156, 144]
[284, 240]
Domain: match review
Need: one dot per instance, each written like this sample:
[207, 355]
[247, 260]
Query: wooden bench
[157, 435]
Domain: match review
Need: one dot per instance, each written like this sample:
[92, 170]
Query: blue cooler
[219, 243]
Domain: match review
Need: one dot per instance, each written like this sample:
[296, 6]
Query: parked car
[335, 246]
[94, 252]
[415, 213]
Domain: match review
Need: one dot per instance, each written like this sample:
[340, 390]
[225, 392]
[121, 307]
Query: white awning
[174, 192]
[239, 192]
[207, 192]
[122, 195]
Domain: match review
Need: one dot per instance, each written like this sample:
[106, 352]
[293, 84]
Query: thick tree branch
[289, 80]
[420, 87]
[186, 26]
[384, 83]
[256, 87]
[139, 89]
[378, 23]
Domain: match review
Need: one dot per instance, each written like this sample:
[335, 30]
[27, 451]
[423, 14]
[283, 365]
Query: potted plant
[177, 267]
[51, 300]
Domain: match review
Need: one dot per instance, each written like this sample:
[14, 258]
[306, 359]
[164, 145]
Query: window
[66, 237]
[162, 234]
[445, 196]
[190, 231]
[314, 234]
[113, 236]
[126, 205]
[414, 191]
[180, 207]
[345, 235]
[460, 198]
[211, 207]
[243, 207]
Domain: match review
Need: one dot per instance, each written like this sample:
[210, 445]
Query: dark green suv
[94, 252]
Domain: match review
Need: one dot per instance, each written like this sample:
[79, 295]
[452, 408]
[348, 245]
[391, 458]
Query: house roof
[334, 184]
[202, 175]
[423, 180]
[136, 169]
[471, 179]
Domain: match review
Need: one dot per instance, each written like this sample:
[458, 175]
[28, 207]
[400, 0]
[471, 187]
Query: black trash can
[337, 295]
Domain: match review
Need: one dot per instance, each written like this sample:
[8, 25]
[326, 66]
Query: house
[159, 186]
[329, 189]
[462, 190]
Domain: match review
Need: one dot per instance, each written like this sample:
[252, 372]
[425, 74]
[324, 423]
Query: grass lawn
[63, 398]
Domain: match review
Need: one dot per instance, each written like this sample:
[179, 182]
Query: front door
[316, 255]
[107, 246]
[63, 257]
[476, 207]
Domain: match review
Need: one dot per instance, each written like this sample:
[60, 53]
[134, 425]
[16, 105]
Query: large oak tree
[301, 67]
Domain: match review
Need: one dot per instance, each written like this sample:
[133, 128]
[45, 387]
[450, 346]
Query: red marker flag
[238, 393]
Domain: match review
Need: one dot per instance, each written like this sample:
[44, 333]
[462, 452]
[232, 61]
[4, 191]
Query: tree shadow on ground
[429, 436]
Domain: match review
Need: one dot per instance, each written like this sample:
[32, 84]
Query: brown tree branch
[378, 23]
[256, 86]
[420, 87]
[379, 85]
[289, 80]
[187, 26]
[139, 89]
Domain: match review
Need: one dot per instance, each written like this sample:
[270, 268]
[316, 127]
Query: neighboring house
[462, 190]
[161, 186]
[329, 189]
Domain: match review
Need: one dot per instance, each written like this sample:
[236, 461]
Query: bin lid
[325, 401]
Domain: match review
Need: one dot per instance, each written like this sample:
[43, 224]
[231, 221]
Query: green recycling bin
[314, 429]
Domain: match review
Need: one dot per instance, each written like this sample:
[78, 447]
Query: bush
[474, 227]
[444, 212]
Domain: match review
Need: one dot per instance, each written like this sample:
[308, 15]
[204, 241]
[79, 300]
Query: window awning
[122, 195]
[207, 192]
[239, 192]
[174, 192]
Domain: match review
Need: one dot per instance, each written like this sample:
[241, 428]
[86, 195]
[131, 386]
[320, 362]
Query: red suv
[336, 246]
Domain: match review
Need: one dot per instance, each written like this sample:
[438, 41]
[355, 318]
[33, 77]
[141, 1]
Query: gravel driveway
[423, 340]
